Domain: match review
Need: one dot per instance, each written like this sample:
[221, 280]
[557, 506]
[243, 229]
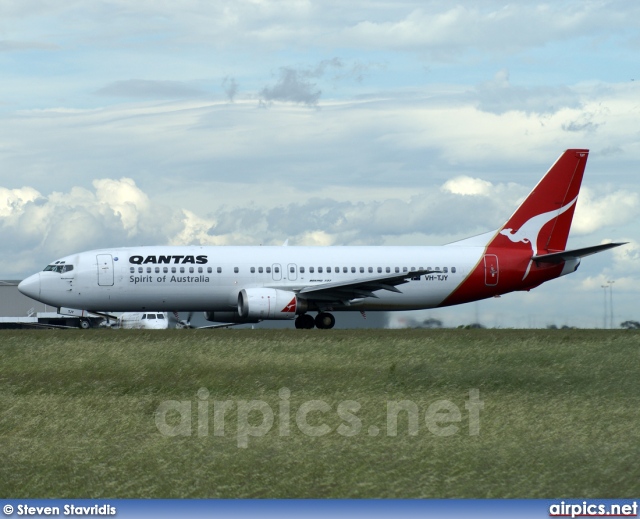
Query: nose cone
[30, 287]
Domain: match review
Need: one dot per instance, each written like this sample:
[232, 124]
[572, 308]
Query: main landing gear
[323, 321]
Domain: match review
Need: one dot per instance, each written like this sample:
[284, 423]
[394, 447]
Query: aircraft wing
[345, 291]
[565, 255]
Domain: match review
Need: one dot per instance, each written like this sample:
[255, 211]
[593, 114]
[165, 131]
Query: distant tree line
[630, 325]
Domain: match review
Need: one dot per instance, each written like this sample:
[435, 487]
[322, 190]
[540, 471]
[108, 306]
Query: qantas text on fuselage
[167, 259]
[251, 284]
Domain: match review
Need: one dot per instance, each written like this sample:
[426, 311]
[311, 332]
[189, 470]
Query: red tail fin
[540, 226]
[543, 220]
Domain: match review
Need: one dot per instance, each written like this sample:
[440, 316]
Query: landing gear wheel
[308, 322]
[304, 322]
[84, 324]
[325, 321]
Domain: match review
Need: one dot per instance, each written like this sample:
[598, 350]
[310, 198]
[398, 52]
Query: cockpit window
[59, 268]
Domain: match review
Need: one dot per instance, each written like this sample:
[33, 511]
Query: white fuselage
[198, 278]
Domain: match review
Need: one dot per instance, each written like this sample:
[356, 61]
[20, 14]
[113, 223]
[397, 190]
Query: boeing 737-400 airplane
[251, 284]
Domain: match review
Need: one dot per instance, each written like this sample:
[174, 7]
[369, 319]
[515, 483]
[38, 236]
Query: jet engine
[269, 303]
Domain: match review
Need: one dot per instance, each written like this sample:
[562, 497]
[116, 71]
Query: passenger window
[404, 269]
[148, 270]
[219, 270]
[388, 269]
[132, 270]
[319, 270]
[379, 270]
[157, 270]
[209, 270]
[301, 270]
[370, 270]
[292, 269]
[173, 270]
[311, 269]
[397, 269]
[362, 269]
[345, 269]
[236, 269]
[353, 270]
[260, 270]
[268, 270]
[445, 270]
[139, 270]
[276, 269]
[253, 270]
[453, 270]
[337, 270]
[328, 270]
[413, 268]
[200, 270]
[165, 269]
[191, 270]
[181, 270]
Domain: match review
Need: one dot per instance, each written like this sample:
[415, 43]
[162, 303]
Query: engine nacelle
[228, 317]
[269, 303]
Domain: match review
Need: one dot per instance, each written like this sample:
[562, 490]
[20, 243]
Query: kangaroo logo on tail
[529, 231]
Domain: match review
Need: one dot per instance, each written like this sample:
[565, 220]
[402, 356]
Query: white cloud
[464, 185]
[596, 212]
[195, 231]
[37, 228]
[124, 198]
[445, 29]
[627, 257]
[13, 200]
[150, 89]
[316, 238]
[499, 96]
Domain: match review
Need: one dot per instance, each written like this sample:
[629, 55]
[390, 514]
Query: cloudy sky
[325, 123]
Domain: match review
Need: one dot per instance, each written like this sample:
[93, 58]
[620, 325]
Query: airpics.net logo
[257, 418]
[588, 509]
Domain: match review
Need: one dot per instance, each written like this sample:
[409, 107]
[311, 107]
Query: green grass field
[561, 414]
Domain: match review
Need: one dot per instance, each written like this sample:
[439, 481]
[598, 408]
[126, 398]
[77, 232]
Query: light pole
[604, 315]
[611, 282]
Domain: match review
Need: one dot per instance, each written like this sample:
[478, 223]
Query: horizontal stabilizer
[566, 255]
